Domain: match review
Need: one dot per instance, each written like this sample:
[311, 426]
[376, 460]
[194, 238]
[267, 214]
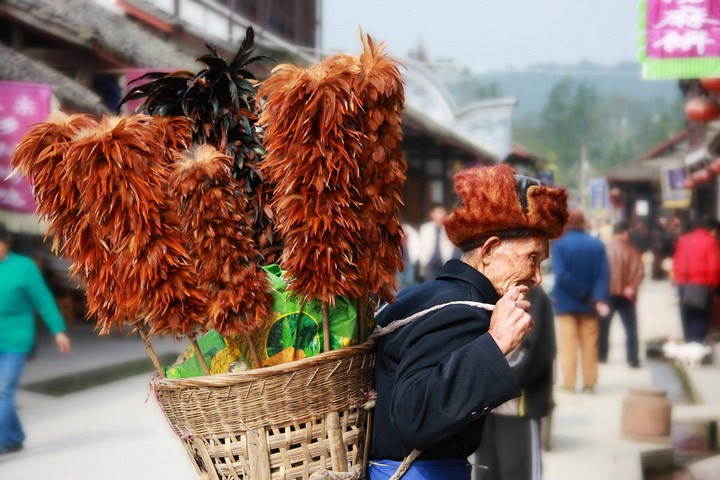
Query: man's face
[516, 261]
[437, 215]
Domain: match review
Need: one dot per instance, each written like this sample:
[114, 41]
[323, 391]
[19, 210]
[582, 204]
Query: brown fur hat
[492, 203]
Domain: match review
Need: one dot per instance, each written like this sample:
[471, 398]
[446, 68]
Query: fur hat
[495, 201]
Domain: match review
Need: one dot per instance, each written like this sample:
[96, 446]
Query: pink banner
[683, 28]
[132, 74]
[22, 105]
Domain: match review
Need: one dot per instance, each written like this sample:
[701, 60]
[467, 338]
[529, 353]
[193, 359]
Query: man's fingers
[523, 304]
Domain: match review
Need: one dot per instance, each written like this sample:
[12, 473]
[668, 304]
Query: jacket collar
[459, 270]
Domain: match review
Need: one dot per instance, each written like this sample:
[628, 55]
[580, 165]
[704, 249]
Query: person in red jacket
[697, 261]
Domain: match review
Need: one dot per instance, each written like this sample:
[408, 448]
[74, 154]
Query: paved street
[116, 430]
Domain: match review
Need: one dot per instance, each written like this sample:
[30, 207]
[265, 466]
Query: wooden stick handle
[338, 450]
[151, 351]
[362, 320]
[200, 357]
[326, 327]
[253, 351]
[368, 434]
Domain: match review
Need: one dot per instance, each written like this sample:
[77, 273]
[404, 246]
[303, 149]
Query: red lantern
[702, 110]
[715, 165]
[701, 176]
[710, 84]
[688, 183]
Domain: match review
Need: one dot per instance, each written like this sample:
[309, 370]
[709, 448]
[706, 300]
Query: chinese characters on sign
[21, 106]
[682, 38]
[683, 28]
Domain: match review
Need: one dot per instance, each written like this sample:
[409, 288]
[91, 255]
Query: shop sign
[22, 105]
[674, 193]
[680, 38]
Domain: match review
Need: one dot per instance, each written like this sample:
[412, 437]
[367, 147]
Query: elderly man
[441, 374]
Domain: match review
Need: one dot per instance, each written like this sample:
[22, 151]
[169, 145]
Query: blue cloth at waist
[452, 469]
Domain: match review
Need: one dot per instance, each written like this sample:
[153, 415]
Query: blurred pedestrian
[626, 274]
[411, 250]
[696, 268]
[510, 447]
[435, 247]
[581, 292]
[22, 291]
[661, 247]
[639, 236]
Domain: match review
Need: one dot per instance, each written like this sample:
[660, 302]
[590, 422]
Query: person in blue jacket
[581, 293]
[22, 292]
[444, 369]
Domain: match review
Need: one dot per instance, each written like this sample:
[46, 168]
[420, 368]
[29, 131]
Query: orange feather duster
[380, 89]
[313, 149]
[146, 271]
[219, 239]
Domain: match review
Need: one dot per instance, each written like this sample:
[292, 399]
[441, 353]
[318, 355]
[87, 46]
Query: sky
[488, 35]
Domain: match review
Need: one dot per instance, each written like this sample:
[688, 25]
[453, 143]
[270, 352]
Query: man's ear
[488, 249]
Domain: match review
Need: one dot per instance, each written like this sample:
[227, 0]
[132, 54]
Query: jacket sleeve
[601, 290]
[679, 260]
[713, 260]
[563, 278]
[41, 299]
[540, 342]
[448, 376]
[637, 273]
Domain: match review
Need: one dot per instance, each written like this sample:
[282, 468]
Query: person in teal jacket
[22, 291]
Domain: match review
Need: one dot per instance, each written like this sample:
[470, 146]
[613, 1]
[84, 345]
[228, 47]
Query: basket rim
[227, 379]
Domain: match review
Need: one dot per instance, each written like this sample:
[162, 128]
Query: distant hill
[531, 86]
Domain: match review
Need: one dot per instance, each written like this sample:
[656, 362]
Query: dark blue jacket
[438, 376]
[582, 273]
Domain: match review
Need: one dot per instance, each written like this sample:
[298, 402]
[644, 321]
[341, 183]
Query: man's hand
[629, 293]
[63, 342]
[602, 308]
[510, 321]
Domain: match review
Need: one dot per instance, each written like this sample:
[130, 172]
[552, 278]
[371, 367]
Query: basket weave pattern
[277, 423]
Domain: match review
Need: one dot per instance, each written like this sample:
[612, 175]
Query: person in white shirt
[435, 247]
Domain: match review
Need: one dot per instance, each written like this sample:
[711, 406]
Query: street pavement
[117, 431]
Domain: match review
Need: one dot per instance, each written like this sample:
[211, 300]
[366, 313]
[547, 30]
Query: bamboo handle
[151, 351]
[253, 351]
[200, 357]
[338, 451]
[326, 327]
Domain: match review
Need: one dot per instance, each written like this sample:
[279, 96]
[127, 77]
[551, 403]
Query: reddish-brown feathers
[333, 139]
[313, 149]
[125, 201]
[380, 89]
[215, 227]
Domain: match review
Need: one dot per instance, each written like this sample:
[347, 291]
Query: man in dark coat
[511, 438]
[440, 374]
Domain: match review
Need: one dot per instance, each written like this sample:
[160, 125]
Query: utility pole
[583, 175]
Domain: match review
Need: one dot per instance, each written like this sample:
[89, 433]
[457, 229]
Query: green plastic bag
[187, 364]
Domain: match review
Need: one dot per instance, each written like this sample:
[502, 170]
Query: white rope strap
[395, 324]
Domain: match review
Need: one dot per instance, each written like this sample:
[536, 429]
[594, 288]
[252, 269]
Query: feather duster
[219, 240]
[220, 105]
[380, 89]
[313, 151]
[127, 210]
[39, 157]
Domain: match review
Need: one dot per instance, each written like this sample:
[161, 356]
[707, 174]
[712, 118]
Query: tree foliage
[615, 128]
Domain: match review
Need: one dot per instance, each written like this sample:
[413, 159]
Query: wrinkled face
[516, 261]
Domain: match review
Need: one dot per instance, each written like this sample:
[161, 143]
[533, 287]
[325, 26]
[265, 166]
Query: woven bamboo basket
[276, 423]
